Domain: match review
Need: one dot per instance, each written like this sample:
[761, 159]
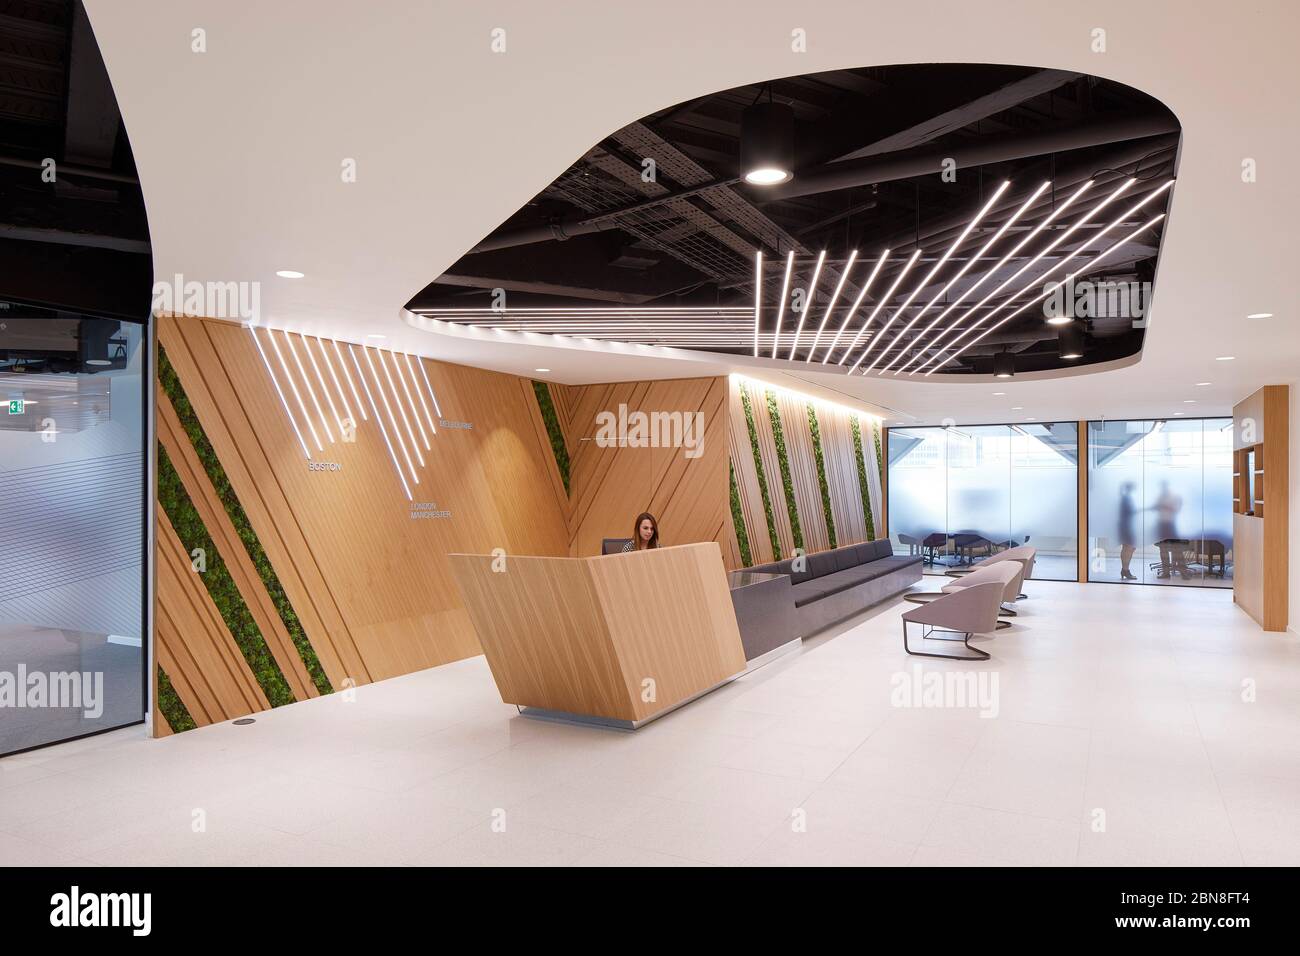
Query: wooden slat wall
[233, 553]
[835, 428]
[751, 496]
[369, 584]
[193, 644]
[610, 486]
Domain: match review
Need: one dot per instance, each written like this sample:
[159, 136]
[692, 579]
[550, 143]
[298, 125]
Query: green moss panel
[171, 706]
[862, 477]
[553, 430]
[738, 519]
[821, 472]
[185, 519]
[783, 461]
[758, 468]
[234, 510]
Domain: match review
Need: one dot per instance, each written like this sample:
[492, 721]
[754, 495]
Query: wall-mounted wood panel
[802, 460]
[1261, 541]
[747, 486]
[364, 567]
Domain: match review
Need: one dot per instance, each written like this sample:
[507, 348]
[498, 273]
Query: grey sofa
[839, 583]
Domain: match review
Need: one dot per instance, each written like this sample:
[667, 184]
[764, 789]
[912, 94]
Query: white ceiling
[240, 151]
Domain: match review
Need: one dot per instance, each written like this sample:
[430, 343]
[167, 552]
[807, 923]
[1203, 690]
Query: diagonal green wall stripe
[738, 519]
[189, 528]
[821, 473]
[787, 484]
[171, 706]
[762, 478]
[861, 464]
[229, 500]
[553, 429]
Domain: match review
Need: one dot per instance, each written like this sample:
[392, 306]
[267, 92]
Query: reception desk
[616, 640]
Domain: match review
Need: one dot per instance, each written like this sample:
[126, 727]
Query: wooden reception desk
[616, 640]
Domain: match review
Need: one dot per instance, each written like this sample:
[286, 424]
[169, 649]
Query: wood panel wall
[367, 579]
[839, 457]
[610, 485]
[1260, 543]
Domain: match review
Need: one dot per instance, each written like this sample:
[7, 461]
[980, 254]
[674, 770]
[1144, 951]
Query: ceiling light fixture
[1006, 184]
[780, 309]
[1224, 358]
[807, 301]
[544, 369]
[1260, 315]
[1004, 365]
[1069, 342]
[830, 306]
[767, 143]
[758, 295]
[1202, 384]
[289, 274]
[830, 349]
[876, 311]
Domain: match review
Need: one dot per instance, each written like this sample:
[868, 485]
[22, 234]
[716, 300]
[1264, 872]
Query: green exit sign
[15, 406]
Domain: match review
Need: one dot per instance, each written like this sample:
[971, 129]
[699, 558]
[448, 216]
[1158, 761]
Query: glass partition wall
[1160, 501]
[958, 494]
[72, 526]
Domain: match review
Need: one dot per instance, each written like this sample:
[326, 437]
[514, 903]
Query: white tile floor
[1121, 737]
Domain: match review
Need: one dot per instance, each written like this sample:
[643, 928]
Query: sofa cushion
[881, 548]
[896, 561]
[864, 552]
[846, 557]
[811, 590]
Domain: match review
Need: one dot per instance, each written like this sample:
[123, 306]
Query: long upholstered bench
[832, 585]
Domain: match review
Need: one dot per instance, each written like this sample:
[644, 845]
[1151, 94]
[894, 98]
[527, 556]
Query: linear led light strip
[352, 385]
[964, 269]
[595, 309]
[343, 396]
[1124, 215]
[397, 400]
[758, 295]
[830, 306]
[329, 396]
[307, 381]
[380, 419]
[780, 309]
[279, 391]
[889, 294]
[1092, 264]
[934, 271]
[296, 394]
[429, 385]
[1086, 217]
[391, 417]
[807, 302]
[415, 411]
[989, 274]
[854, 307]
[410, 367]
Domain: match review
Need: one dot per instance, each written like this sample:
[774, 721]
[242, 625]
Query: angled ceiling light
[767, 143]
[807, 301]
[780, 309]
[1069, 342]
[1004, 365]
[848, 316]
[1101, 256]
[937, 266]
[830, 306]
[889, 294]
[955, 327]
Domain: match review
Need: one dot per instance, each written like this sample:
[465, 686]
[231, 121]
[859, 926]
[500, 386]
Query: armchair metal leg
[975, 653]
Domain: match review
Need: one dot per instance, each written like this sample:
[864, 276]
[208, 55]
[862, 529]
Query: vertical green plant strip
[821, 473]
[738, 519]
[171, 384]
[862, 477]
[216, 578]
[171, 706]
[787, 485]
[553, 430]
[758, 468]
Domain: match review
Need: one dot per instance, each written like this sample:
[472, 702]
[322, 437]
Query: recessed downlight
[999, 393]
[541, 370]
[1203, 384]
[1060, 320]
[1189, 401]
[1177, 414]
[290, 274]
[375, 335]
[1017, 408]
[767, 176]
[1260, 315]
[1224, 358]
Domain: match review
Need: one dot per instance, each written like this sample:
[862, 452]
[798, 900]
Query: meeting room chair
[959, 615]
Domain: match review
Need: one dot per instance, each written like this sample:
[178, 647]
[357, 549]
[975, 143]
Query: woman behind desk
[645, 533]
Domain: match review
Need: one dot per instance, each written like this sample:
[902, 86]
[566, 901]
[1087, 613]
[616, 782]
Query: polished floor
[1126, 726]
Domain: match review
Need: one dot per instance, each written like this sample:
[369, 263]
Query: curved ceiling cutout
[899, 221]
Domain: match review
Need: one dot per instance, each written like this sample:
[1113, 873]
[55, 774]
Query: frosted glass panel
[959, 494]
[1160, 501]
